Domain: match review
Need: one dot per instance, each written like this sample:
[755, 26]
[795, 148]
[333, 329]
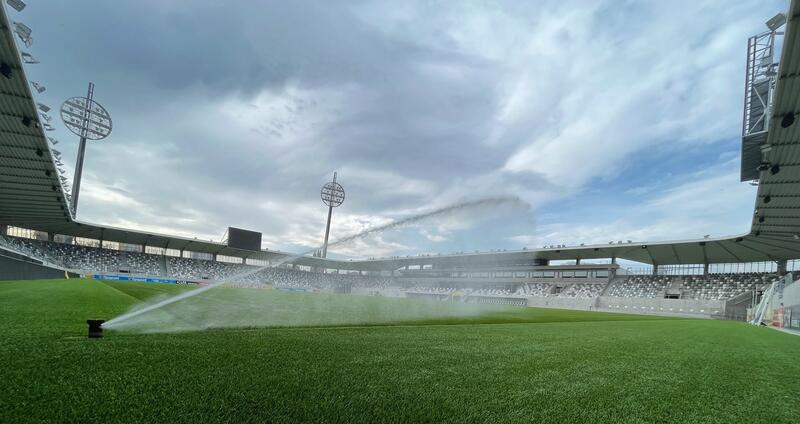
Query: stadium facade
[39, 229]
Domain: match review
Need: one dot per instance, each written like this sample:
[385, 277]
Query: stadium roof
[30, 190]
[31, 197]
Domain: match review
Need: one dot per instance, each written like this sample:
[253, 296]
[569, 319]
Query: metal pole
[327, 232]
[76, 184]
[333, 197]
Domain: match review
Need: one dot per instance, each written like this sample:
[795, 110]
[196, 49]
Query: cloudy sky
[612, 119]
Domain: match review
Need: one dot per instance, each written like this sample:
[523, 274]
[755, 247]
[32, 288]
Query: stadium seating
[537, 289]
[723, 286]
[582, 290]
[96, 260]
[710, 287]
[644, 286]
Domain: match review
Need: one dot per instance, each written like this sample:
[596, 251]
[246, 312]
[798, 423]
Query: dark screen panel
[244, 239]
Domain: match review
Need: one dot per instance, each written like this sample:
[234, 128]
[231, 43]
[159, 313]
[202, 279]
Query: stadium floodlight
[53, 140]
[24, 33]
[43, 107]
[28, 58]
[18, 5]
[776, 22]
[332, 195]
[46, 117]
[88, 120]
[38, 87]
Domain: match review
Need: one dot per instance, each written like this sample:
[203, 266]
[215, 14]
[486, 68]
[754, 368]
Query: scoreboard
[244, 239]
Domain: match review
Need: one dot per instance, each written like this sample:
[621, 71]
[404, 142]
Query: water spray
[488, 201]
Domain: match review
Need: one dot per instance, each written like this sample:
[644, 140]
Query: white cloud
[417, 105]
[706, 203]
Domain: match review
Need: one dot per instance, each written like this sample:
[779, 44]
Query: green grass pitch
[352, 365]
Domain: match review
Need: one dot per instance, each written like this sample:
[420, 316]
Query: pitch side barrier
[112, 277]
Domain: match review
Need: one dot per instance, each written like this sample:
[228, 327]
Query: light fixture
[24, 33]
[775, 169]
[767, 199]
[796, 236]
[18, 5]
[761, 219]
[776, 21]
[38, 87]
[28, 58]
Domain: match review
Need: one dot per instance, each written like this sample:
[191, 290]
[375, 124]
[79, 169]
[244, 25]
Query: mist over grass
[228, 307]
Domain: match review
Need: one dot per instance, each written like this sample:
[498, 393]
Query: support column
[578, 261]
[50, 237]
[613, 260]
[705, 269]
[214, 257]
[3, 230]
[781, 267]
[655, 269]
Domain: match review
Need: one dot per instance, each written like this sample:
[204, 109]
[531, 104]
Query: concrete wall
[685, 307]
[15, 267]
[388, 292]
[562, 303]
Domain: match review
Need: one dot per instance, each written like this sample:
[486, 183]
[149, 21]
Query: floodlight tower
[332, 195]
[88, 120]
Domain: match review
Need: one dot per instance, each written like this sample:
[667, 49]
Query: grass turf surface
[507, 365]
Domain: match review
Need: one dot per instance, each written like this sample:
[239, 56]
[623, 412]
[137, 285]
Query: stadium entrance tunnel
[95, 328]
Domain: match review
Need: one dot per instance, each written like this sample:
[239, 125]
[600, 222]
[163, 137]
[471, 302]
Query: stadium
[109, 324]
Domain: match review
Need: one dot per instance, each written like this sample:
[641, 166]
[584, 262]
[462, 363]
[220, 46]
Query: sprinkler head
[95, 328]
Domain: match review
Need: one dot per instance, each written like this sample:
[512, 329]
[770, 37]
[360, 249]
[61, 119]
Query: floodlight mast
[90, 121]
[332, 195]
